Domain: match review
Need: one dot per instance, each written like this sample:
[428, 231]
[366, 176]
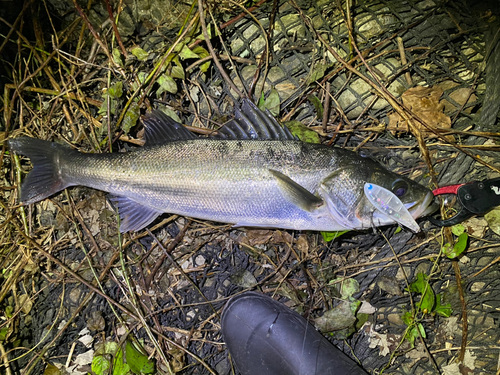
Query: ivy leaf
[171, 114]
[101, 363]
[177, 72]
[119, 366]
[347, 287]
[104, 106]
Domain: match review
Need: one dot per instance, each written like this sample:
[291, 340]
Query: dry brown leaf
[424, 102]
[255, 237]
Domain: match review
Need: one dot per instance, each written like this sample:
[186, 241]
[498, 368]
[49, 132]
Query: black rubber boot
[264, 337]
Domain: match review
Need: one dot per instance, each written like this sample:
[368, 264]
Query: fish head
[343, 192]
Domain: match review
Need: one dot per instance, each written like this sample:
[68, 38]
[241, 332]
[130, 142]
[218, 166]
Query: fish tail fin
[46, 178]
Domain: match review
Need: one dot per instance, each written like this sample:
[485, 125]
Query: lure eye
[400, 188]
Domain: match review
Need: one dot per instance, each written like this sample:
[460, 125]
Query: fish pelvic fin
[133, 216]
[46, 178]
[295, 193]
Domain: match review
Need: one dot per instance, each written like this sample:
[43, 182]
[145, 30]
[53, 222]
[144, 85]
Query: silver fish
[253, 173]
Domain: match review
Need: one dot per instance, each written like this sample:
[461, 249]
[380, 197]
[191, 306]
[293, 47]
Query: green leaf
[422, 286]
[347, 287]
[100, 365]
[177, 72]
[317, 105]
[407, 318]
[422, 330]
[140, 53]
[103, 110]
[119, 366]
[341, 317]
[330, 236]
[458, 229]
[141, 77]
[202, 53]
[3, 333]
[318, 72]
[461, 244]
[458, 248]
[411, 335]
[171, 114]
[413, 328]
[131, 117]
[166, 84]
[398, 229]
[272, 103]
[186, 53]
[138, 362]
[493, 220]
[443, 310]
[117, 57]
[104, 354]
[116, 91]
[302, 132]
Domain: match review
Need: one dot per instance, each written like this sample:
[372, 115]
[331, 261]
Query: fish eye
[399, 188]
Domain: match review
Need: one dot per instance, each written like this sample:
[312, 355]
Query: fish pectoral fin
[295, 193]
[133, 216]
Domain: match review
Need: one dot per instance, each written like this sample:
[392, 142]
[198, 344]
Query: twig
[326, 106]
[402, 55]
[212, 51]
[167, 251]
[115, 28]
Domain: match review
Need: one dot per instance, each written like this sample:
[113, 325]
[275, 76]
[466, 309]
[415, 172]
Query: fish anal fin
[133, 216]
[295, 193]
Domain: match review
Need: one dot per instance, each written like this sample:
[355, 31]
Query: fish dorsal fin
[133, 216]
[251, 123]
[295, 193]
[160, 128]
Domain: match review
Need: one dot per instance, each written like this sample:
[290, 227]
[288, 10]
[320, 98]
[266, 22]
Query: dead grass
[64, 89]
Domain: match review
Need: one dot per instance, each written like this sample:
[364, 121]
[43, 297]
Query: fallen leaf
[424, 102]
[493, 220]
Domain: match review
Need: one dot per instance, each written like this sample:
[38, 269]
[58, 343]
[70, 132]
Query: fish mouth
[424, 207]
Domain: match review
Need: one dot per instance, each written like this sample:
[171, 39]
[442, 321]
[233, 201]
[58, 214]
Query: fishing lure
[390, 205]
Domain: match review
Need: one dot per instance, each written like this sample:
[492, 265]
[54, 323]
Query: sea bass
[253, 173]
